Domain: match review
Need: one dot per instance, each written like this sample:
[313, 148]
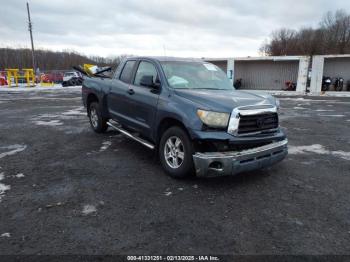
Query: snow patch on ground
[333, 115]
[300, 129]
[14, 149]
[3, 187]
[48, 123]
[338, 102]
[105, 145]
[324, 110]
[317, 149]
[37, 88]
[298, 222]
[341, 154]
[301, 99]
[74, 112]
[45, 116]
[5, 235]
[56, 119]
[89, 209]
[307, 162]
[337, 94]
[20, 175]
[299, 107]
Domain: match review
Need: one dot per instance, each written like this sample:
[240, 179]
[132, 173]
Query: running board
[138, 139]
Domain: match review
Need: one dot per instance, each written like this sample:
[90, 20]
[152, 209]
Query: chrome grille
[257, 123]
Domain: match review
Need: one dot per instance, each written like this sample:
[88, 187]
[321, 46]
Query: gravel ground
[66, 190]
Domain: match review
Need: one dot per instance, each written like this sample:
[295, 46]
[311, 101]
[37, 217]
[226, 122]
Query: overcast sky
[196, 28]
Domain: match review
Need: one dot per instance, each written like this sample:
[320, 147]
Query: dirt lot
[67, 190]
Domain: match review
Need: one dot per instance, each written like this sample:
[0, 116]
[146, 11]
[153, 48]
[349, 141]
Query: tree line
[332, 36]
[51, 60]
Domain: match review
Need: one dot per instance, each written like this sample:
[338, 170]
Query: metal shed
[266, 73]
[332, 66]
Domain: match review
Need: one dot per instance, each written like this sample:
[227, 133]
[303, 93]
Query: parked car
[72, 78]
[189, 112]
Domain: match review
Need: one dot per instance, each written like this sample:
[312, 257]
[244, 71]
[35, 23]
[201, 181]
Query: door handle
[131, 91]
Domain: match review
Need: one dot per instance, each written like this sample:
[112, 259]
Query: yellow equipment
[12, 73]
[93, 70]
[29, 76]
[90, 69]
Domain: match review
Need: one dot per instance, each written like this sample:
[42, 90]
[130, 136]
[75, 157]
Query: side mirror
[147, 80]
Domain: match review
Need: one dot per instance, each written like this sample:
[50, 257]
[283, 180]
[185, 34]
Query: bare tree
[331, 37]
[337, 28]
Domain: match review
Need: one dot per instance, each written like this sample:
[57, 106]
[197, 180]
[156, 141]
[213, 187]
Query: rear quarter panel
[100, 88]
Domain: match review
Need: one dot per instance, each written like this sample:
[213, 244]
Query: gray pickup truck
[189, 112]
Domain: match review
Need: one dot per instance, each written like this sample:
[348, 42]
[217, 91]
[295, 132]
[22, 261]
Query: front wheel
[175, 152]
[97, 122]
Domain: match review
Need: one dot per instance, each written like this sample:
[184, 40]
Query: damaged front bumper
[231, 163]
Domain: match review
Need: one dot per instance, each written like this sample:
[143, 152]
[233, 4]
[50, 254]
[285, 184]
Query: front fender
[179, 109]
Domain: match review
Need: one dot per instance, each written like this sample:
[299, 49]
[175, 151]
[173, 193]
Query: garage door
[266, 75]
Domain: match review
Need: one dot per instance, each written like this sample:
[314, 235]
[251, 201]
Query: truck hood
[225, 100]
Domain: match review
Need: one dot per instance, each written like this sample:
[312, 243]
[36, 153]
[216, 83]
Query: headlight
[213, 119]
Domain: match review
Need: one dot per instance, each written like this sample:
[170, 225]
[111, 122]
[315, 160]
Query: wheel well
[91, 98]
[166, 124]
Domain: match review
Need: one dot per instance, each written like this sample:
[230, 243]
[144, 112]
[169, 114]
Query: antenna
[31, 37]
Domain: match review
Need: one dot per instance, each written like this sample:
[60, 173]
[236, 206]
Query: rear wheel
[175, 152]
[97, 122]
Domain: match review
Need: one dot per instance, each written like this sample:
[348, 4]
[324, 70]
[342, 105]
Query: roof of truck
[168, 58]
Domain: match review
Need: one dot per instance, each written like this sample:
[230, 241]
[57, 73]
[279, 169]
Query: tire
[73, 82]
[175, 143]
[97, 122]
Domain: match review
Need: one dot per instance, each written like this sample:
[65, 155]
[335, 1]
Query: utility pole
[31, 37]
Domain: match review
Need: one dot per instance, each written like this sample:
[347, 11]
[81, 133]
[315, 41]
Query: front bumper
[231, 163]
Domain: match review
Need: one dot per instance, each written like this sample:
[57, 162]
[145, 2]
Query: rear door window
[126, 74]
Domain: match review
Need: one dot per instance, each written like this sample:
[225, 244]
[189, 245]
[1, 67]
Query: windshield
[195, 75]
